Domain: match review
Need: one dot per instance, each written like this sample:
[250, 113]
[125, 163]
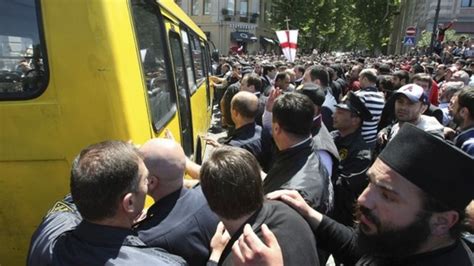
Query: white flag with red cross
[288, 42]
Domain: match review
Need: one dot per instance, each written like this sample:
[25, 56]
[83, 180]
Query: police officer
[354, 153]
[108, 186]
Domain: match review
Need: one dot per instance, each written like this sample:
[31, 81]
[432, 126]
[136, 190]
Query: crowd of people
[367, 160]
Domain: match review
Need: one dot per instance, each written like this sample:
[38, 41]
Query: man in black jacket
[297, 164]
[108, 186]
[180, 219]
[231, 182]
[412, 211]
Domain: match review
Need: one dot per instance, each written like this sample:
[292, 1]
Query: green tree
[337, 24]
[449, 35]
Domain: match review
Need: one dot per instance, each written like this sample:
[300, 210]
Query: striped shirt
[374, 101]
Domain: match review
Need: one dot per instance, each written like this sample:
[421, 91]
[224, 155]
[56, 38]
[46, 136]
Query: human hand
[382, 138]
[218, 242]
[212, 142]
[250, 250]
[292, 198]
[274, 93]
[169, 134]
[449, 133]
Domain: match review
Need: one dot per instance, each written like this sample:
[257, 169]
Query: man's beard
[392, 242]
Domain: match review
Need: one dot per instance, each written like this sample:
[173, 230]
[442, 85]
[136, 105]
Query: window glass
[231, 7]
[183, 98]
[23, 70]
[244, 7]
[197, 58]
[188, 61]
[207, 7]
[195, 7]
[161, 100]
[466, 3]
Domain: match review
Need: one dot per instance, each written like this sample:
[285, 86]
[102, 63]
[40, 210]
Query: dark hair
[422, 77]
[268, 68]
[432, 205]
[384, 69]
[294, 113]
[245, 106]
[429, 70]
[402, 75]
[229, 93]
[466, 99]
[101, 175]
[339, 70]
[417, 68]
[369, 74]
[255, 80]
[231, 182]
[300, 68]
[319, 72]
[384, 82]
[281, 76]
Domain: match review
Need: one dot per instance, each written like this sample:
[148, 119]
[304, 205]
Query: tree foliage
[337, 24]
[449, 35]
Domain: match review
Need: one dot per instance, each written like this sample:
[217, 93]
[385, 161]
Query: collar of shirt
[301, 142]
[103, 234]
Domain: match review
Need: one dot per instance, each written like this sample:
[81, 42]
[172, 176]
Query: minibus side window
[161, 99]
[205, 56]
[188, 61]
[197, 59]
[23, 68]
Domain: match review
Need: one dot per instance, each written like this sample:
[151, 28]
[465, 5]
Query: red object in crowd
[434, 95]
[405, 67]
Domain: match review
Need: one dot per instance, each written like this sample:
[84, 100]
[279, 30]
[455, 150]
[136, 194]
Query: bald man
[248, 135]
[180, 219]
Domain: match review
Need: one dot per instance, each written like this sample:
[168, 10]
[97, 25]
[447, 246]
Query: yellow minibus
[76, 72]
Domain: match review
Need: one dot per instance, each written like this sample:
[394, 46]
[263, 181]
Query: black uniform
[63, 239]
[299, 168]
[181, 223]
[340, 240]
[294, 236]
[254, 139]
[350, 175]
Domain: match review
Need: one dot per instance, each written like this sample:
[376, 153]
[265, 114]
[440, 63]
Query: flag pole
[287, 20]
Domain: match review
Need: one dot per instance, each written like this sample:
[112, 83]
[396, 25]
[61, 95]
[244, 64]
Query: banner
[288, 42]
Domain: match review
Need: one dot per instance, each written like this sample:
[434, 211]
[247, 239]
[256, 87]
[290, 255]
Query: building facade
[421, 14]
[234, 25]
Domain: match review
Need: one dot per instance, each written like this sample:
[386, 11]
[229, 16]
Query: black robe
[340, 241]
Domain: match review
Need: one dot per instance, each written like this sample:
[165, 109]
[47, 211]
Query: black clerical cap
[353, 103]
[438, 168]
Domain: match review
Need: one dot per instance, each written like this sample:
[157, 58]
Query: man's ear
[128, 202]
[441, 222]
[152, 182]
[276, 129]
[464, 112]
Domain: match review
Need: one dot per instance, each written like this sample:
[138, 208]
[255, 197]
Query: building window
[195, 7]
[467, 3]
[244, 8]
[207, 7]
[231, 7]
